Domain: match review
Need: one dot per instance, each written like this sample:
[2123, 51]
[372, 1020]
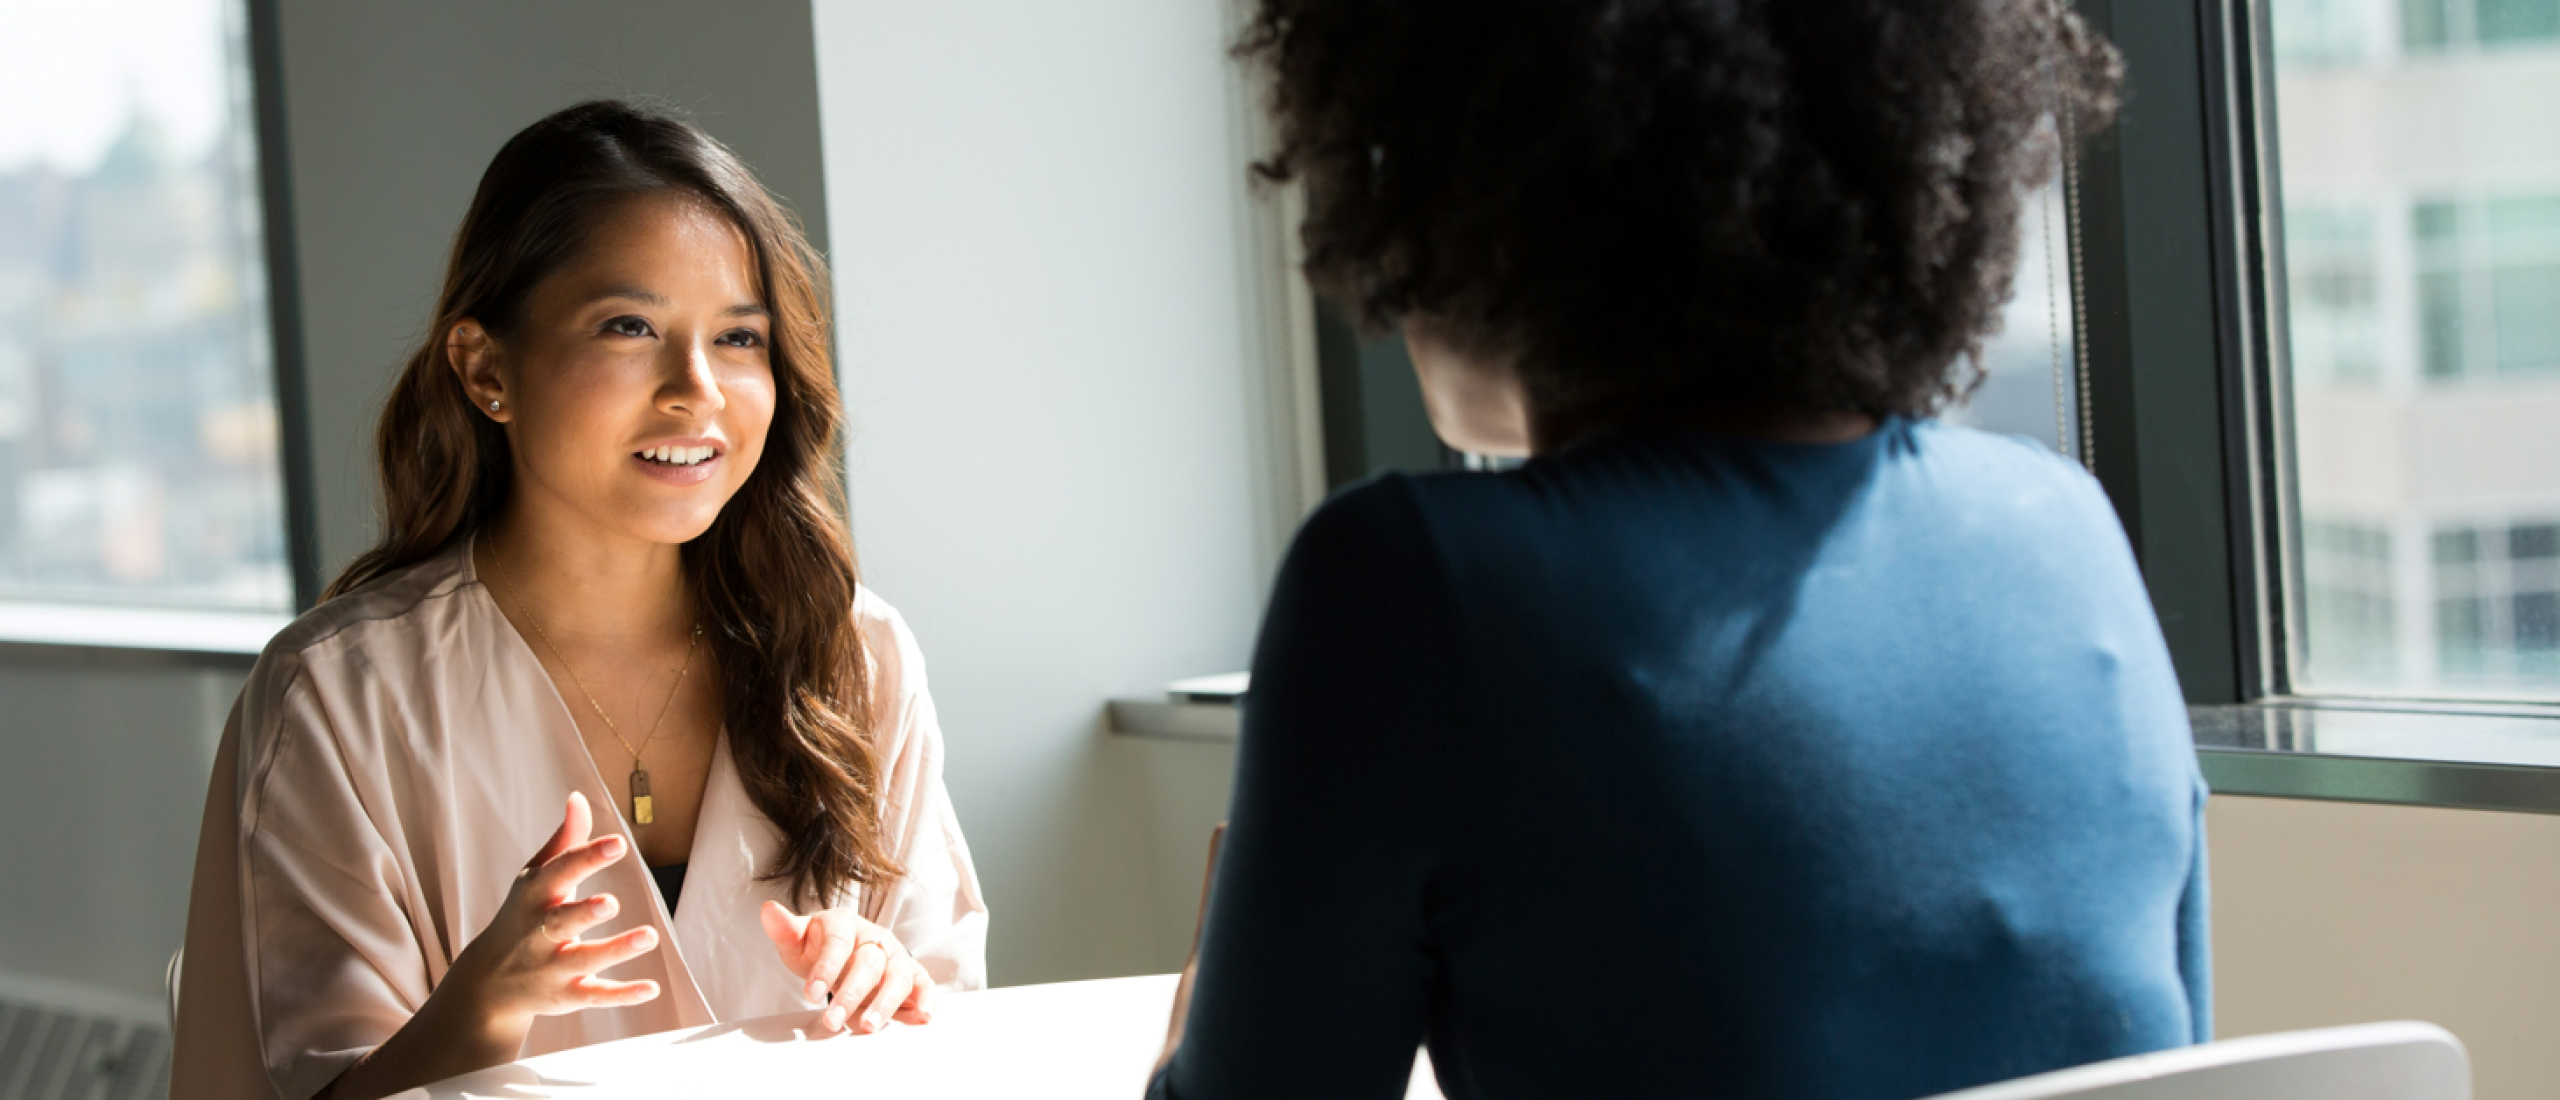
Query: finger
[789, 932]
[861, 978]
[835, 948]
[612, 951]
[589, 991]
[896, 983]
[572, 830]
[557, 881]
[563, 923]
[920, 1004]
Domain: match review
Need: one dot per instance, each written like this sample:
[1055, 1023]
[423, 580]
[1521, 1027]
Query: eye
[636, 328]
[741, 338]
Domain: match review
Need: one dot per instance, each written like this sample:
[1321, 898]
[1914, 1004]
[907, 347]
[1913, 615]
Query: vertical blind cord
[2079, 281]
[2053, 328]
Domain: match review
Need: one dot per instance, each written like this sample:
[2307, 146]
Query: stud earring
[493, 405]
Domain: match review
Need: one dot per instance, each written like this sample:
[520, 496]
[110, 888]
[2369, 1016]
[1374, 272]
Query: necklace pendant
[643, 811]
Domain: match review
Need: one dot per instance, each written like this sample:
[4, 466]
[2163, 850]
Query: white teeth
[679, 456]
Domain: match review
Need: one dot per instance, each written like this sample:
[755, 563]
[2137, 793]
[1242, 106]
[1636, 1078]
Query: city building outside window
[2420, 193]
[140, 474]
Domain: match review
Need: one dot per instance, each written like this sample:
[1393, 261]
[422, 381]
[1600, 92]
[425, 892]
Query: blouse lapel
[720, 921]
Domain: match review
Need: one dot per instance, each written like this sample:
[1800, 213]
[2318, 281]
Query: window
[2420, 216]
[138, 413]
[2030, 385]
[2441, 25]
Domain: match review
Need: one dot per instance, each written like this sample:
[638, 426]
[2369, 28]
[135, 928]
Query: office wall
[2332, 913]
[102, 770]
[393, 110]
[1063, 466]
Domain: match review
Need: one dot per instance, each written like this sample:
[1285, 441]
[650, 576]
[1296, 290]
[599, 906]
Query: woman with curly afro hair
[1760, 735]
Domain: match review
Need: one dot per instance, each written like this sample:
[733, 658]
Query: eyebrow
[648, 297]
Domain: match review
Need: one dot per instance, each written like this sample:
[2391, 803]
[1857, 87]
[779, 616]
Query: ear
[473, 355]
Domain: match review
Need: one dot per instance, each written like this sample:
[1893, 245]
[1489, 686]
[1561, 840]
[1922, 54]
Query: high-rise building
[2419, 163]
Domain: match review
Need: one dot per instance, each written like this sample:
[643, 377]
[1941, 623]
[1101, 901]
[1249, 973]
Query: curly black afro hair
[1653, 204]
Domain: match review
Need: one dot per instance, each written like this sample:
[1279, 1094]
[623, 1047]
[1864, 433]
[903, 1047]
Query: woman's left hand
[856, 968]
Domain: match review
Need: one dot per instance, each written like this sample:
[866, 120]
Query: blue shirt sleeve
[1316, 963]
[2195, 932]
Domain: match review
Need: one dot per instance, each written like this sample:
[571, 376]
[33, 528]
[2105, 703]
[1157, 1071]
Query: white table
[1059, 1042]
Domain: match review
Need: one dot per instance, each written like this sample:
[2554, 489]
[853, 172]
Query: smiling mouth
[677, 456]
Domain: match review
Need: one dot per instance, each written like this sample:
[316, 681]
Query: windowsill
[2476, 757]
[236, 636]
[1163, 720]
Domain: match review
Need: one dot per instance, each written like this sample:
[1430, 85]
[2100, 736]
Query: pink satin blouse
[395, 758]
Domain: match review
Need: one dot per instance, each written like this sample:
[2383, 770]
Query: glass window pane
[2424, 24]
[2527, 302]
[2030, 384]
[2518, 20]
[137, 411]
[2421, 218]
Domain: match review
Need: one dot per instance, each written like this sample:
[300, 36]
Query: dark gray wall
[393, 109]
[103, 761]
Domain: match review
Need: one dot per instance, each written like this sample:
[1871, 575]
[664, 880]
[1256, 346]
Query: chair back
[169, 984]
[2393, 1061]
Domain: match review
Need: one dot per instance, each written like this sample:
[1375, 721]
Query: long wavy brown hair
[774, 576]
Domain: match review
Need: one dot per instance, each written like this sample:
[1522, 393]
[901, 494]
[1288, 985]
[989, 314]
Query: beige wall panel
[2333, 913]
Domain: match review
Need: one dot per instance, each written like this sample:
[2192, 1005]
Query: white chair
[169, 984]
[2394, 1061]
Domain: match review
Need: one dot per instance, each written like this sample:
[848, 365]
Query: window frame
[2182, 370]
[284, 300]
[2192, 417]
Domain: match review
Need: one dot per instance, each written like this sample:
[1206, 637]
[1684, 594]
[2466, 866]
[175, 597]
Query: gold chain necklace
[643, 808]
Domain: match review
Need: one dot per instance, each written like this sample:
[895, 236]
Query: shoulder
[899, 703]
[397, 621]
[1992, 459]
[1369, 566]
[1373, 522]
[887, 642]
[2008, 483]
[393, 602]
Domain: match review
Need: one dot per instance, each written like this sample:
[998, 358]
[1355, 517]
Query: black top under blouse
[670, 878]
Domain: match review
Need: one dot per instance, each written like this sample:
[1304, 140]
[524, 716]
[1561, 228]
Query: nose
[692, 389]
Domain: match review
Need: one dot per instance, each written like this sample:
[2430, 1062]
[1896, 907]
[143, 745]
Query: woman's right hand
[530, 962]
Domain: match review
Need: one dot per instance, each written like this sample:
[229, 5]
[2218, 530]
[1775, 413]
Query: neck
[581, 584]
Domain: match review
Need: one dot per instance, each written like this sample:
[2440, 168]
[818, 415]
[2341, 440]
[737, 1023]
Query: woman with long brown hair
[613, 614]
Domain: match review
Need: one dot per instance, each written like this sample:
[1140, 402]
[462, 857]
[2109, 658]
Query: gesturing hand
[530, 962]
[872, 977]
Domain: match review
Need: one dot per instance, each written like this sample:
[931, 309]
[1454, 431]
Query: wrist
[493, 1031]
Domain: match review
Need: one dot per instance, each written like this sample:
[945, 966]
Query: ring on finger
[545, 925]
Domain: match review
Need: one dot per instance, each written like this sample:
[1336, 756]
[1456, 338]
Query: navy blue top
[1683, 765]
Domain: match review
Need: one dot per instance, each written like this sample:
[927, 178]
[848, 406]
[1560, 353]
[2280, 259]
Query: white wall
[1064, 471]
